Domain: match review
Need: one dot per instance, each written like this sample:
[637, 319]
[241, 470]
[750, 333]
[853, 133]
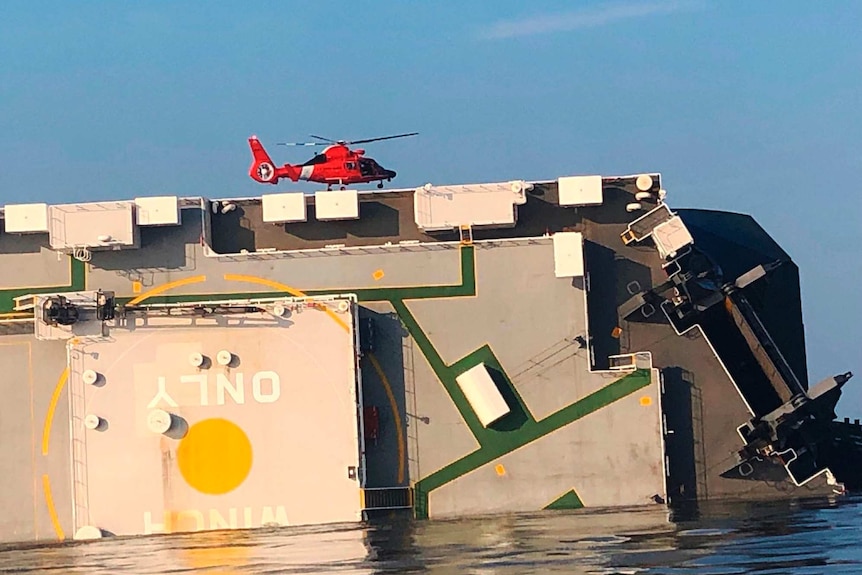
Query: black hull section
[724, 280]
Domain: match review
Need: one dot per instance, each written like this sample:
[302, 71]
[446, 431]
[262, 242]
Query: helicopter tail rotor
[263, 169]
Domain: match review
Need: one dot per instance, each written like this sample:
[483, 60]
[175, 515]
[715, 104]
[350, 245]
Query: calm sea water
[818, 536]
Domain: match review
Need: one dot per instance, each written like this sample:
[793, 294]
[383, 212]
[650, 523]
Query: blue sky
[741, 106]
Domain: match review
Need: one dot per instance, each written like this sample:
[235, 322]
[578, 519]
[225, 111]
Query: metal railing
[77, 412]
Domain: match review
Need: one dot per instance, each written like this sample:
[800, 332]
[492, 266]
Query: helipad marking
[167, 286]
[395, 414]
[52, 511]
[285, 288]
[52, 406]
[215, 456]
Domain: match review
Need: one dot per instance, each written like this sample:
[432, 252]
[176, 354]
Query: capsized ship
[184, 363]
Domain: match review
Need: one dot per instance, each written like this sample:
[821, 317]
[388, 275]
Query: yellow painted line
[396, 415]
[17, 314]
[52, 406]
[52, 511]
[137, 287]
[501, 471]
[285, 288]
[264, 282]
[167, 286]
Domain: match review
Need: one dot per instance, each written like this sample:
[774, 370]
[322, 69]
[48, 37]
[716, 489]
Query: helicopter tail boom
[263, 169]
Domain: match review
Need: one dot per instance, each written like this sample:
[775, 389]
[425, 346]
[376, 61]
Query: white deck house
[439, 208]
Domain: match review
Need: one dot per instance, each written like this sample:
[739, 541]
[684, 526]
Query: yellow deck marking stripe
[397, 416]
[49, 418]
[285, 288]
[167, 286]
[263, 281]
[52, 511]
[17, 314]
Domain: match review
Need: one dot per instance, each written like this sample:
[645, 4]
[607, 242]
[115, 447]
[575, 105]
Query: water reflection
[812, 537]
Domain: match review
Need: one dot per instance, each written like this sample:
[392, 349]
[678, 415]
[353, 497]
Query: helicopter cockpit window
[350, 165]
[318, 159]
[366, 167]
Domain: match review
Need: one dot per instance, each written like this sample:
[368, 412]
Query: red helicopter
[337, 164]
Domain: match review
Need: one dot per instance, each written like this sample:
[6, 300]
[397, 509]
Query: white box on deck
[286, 207]
[26, 218]
[157, 211]
[448, 207]
[580, 190]
[94, 225]
[337, 205]
[483, 395]
[568, 254]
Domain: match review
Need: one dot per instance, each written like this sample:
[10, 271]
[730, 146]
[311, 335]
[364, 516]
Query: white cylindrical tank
[90, 377]
[641, 196]
[92, 421]
[633, 207]
[224, 357]
[196, 359]
[644, 182]
[159, 421]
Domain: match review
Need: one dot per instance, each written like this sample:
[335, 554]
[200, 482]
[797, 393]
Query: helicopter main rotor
[330, 142]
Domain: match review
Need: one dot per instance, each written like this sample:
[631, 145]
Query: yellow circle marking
[646, 400]
[215, 456]
[166, 287]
